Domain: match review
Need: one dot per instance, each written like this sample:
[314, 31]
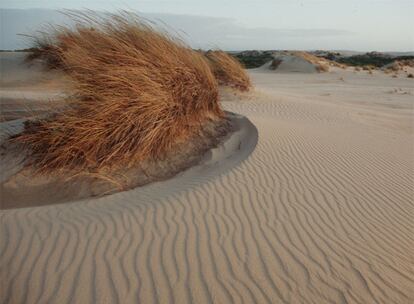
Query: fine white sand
[320, 212]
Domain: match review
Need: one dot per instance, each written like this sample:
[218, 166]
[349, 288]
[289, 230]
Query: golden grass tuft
[138, 93]
[228, 70]
[322, 68]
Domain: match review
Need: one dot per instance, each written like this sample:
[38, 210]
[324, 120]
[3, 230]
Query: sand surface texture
[320, 212]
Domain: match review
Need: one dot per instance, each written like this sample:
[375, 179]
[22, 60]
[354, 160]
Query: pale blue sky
[364, 25]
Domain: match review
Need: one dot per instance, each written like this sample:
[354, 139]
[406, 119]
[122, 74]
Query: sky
[364, 25]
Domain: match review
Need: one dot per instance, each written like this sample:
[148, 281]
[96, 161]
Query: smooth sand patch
[320, 212]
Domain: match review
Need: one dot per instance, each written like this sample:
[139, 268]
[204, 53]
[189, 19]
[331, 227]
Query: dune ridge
[320, 212]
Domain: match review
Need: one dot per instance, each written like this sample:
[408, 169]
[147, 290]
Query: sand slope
[321, 212]
[289, 64]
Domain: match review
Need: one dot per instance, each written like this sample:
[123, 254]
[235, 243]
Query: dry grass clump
[228, 70]
[399, 65]
[138, 92]
[402, 63]
[45, 50]
[395, 67]
[336, 64]
[368, 67]
[322, 68]
[410, 75]
[275, 64]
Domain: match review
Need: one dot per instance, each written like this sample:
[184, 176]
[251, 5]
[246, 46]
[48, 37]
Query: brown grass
[45, 50]
[368, 67]
[394, 67]
[322, 68]
[275, 64]
[228, 70]
[404, 63]
[399, 65]
[138, 92]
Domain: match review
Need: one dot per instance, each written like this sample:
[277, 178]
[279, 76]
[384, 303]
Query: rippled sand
[320, 212]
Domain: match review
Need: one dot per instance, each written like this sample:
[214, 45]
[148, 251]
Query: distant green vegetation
[370, 59]
[251, 61]
[254, 59]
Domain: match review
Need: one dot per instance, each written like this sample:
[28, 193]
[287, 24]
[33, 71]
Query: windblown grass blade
[228, 70]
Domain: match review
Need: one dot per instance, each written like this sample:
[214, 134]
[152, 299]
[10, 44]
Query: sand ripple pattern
[310, 217]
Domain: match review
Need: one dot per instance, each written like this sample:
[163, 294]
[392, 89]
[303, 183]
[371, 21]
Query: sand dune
[320, 212]
[289, 64]
[295, 62]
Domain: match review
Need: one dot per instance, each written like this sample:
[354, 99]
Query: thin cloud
[198, 31]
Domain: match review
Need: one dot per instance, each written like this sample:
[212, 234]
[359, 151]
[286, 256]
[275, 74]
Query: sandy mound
[290, 64]
[21, 188]
[400, 67]
[295, 62]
